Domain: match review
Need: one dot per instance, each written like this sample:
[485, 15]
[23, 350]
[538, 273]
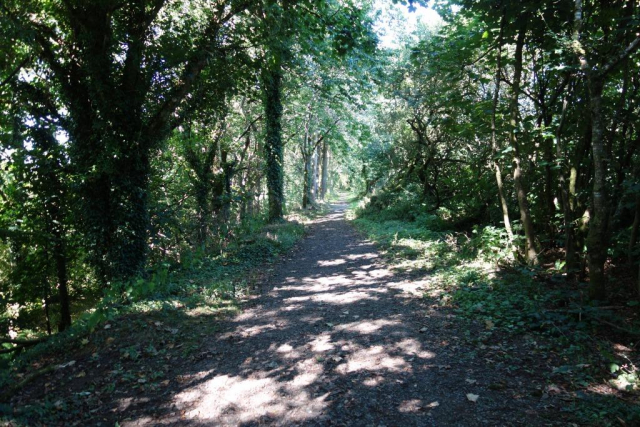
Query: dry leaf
[472, 397]
[489, 324]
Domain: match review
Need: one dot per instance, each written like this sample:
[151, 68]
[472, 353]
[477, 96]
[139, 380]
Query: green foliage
[465, 274]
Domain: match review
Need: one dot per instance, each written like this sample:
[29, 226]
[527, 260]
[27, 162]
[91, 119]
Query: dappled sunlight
[412, 405]
[235, 400]
[345, 298]
[412, 347]
[326, 329]
[409, 288]
[374, 358]
[357, 257]
[367, 327]
[332, 263]
[322, 343]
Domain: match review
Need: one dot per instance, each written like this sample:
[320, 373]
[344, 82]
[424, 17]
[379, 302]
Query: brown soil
[337, 338]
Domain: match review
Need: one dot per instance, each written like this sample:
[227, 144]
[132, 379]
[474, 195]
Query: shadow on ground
[336, 338]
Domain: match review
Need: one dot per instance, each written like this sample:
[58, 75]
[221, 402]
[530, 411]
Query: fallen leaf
[425, 329]
[433, 405]
[107, 326]
[489, 324]
[471, 381]
[329, 324]
[553, 389]
[84, 341]
[472, 397]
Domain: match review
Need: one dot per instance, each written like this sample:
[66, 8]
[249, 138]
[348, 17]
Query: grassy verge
[592, 361]
[132, 331]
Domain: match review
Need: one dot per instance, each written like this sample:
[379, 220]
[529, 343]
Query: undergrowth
[203, 283]
[475, 274]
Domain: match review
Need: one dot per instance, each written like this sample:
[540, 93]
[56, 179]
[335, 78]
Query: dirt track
[338, 338]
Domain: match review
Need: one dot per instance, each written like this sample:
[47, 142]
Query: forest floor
[335, 337]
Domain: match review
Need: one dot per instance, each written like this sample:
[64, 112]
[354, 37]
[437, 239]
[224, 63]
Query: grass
[477, 278]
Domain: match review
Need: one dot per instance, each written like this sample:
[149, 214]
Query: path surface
[338, 338]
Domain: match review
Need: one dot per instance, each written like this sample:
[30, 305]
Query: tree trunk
[550, 207]
[316, 170]
[204, 214]
[63, 283]
[325, 169]
[597, 241]
[531, 253]
[634, 230]
[272, 81]
[307, 197]
[495, 146]
[567, 203]
[55, 207]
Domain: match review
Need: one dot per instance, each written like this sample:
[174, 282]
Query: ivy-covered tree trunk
[272, 81]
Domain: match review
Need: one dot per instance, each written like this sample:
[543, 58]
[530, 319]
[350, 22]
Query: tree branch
[611, 65]
[15, 71]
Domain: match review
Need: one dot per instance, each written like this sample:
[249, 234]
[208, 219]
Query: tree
[119, 73]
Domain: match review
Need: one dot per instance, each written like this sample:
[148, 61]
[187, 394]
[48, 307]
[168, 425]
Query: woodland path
[338, 338]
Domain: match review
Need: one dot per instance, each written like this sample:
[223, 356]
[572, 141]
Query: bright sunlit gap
[396, 24]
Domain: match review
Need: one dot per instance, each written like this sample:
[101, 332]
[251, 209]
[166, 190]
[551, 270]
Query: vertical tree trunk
[272, 81]
[55, 207]
[597, 241]
[495, 146]
[316, 170]
[633, 239]
[550, 207]
[47, 314]
[531, 253]
[567, 203]
[63, 283]
[307, 197]
[325, 169]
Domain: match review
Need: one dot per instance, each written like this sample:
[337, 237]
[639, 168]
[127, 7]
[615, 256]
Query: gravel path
[337, 338]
